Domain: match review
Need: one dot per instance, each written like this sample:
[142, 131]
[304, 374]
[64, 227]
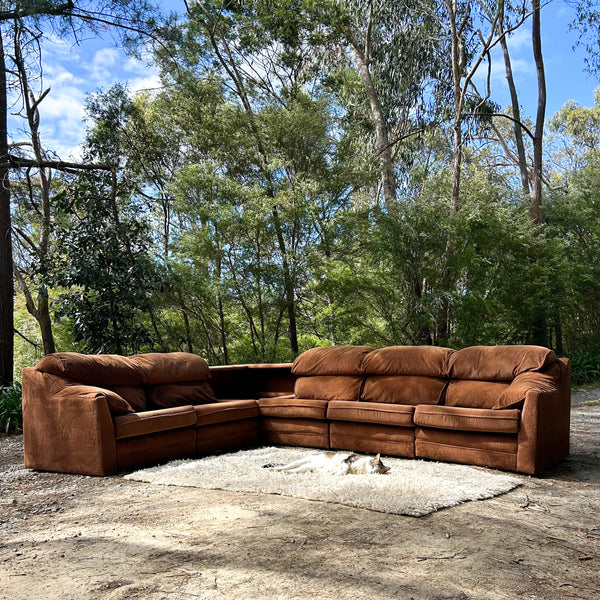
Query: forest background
[307, 173]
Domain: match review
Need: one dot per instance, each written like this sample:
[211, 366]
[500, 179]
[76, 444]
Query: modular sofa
[506, 407]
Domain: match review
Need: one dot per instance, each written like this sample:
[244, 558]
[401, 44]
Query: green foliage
[585, 366]
[11, 410]
[243, 208]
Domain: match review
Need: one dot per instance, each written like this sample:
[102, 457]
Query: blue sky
[74, 71]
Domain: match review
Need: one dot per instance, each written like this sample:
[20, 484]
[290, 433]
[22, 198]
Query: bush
[585, 367]
[11, 408]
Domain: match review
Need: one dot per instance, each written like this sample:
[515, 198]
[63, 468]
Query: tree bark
[382, 143]
[516, 111]
[41, 312]
[6, 261]
[538, 139]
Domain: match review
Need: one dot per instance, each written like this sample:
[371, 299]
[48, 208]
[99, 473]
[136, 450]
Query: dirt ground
[74, 537]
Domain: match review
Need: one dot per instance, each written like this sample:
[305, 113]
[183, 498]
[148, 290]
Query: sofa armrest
[545, 425]
[67, 430]
[514, 395]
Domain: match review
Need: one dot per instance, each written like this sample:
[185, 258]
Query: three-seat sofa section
[506, 407]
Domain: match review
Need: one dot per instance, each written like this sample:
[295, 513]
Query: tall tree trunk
[539, 326]
[45, 322]
[516, 111]
[6, 260]
[538, 139]
[382, 143]
[41, 312]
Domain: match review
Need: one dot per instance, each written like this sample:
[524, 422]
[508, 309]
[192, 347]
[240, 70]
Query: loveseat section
[101, 414]
[506, 407]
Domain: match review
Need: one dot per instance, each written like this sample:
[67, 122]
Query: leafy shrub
[585, 367]
[11, 409]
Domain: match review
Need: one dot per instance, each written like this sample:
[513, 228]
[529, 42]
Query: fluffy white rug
[412, 487]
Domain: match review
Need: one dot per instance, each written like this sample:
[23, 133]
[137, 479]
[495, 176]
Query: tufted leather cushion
[334, 360]
[474, 394]
[170, 367]
[328, 387]
[92, 369]
[403, 389]
[428, 361]
[498, 363]
[167, 395]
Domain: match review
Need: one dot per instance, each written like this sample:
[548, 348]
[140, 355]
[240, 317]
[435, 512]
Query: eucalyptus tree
[73, 18]
[261, 57]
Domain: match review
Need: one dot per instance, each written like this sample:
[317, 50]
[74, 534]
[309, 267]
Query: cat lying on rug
[334, 463]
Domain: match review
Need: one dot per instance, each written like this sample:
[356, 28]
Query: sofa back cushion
[91, 369]
[328, 387]
[168, 395]
[474, 394]
[425, 361]
[170, 367]
[133, 394]
[333, 360]
[498, 363]
[403, 389]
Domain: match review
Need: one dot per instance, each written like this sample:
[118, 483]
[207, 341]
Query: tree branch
[18, 162]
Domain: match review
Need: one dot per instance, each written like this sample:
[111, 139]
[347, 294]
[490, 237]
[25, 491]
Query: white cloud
[102, 66]
[150, 82]
[519, 40]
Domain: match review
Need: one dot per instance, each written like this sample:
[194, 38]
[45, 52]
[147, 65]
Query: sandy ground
[73, 537]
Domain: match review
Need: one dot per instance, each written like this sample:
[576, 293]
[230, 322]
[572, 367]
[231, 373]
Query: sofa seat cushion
[225, 411]
[403, 389]
[329, 387]
[154, 421]
[291, 407]
[468, 419]
[170, 367]
[134, 394]
[167, 395]
[474, 394]
[371, 412]
[427, 361]
[333, 360]
[498, 363]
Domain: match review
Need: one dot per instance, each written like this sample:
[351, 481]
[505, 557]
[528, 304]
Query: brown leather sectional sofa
[506, 407]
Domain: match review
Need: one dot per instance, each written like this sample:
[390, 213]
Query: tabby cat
[334, 463]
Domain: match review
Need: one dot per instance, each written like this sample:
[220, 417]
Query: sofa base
[496, 451]
[136, 452]
[295, 432]
[363, 437]
[226, 436]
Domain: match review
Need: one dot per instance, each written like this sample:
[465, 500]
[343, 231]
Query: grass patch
[11, 408]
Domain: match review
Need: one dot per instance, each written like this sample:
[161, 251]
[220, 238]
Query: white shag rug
[412, 487]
